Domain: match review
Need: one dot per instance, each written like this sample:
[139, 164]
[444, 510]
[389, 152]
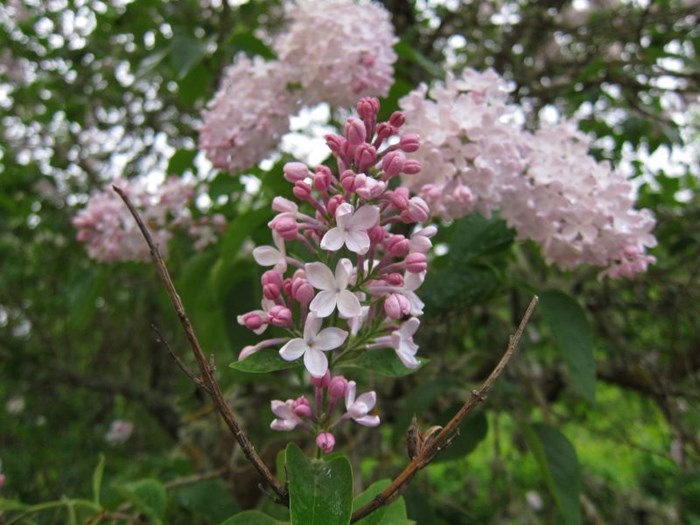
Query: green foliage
[392, 514]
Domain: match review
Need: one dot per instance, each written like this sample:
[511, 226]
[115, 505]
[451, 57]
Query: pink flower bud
[392, 163]
[321, 382]
[325, 441]
[283, 205]
[365, 157]
[280, 315]
[253, 320]
[285, 226]
[397, 306]
[397, 245]
[355, 132]
[301, 407]
[418, 209]
[416, 262]
[2, 480]
[272, 284]
[376, 234]
[384, 131]
[397, 119]
[302, 190]
[399, 198]
[322, 178]
[411, 167]
[337, 144]
[302, 291]
[295, 171]
[334, 202]
[337, 387]
[347, 180]
[367, 108]
[393, 279]
[409, 142]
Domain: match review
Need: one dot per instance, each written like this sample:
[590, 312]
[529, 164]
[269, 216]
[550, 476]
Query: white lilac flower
[313, 345]
[334, 292]
[351, 229]
[359, 409]
[402, 341]
[269, 256]
[286, 418]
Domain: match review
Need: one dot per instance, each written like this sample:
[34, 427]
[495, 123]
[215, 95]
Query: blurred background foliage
[602, 398]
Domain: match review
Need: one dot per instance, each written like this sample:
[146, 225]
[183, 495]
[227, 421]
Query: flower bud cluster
[340, 282]
[354, 57]
[111, 234]
[545, 184]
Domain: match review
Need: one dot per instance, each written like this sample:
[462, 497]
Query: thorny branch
[208, 379]
[433, 446]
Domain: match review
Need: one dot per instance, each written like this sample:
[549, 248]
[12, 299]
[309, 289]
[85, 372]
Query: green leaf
[149, 496]
[557, 459]
[180, 161]
[224, 184]
[97, 479]
[208, 499]
[394, 514]
[264, 361]
[149, 64]
[384, 361]
[472, 431]
[475, 236]
[408, 52]
[239, 230]
[10, 504]
[572, 333]
[252, 517]
[186, 53]
[320, 491]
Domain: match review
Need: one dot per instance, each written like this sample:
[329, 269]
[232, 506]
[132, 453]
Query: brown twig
[179, 362]
[208, 378]
[428, 452]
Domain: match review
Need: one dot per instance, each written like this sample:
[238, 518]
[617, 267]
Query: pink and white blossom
[313, 345]
[286, 419]
[359, 408]
[351, 229]
[334, 289]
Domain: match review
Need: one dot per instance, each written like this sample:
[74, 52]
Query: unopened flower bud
[397, 119]
[283, 205]
[301, 407]
[409, 142]
[280, 315]
[376, 234]
[397, 245]
[334, 202]
[355, 132]
[393, 279]
[2, 480]
[347, 180]
[337, 144]
[295, 171]
[396, 306]
[302, 291]
[325, 441]
[418, 209]
[399, 198]
[337, 387]
[416, 262]
[384, 131]
[252, 320]
[367, 108]
[411, 167]
[302, 190]
[322, 178]
[365, 157]
[287, 227]
[392, 163]
[272, 284]
[321, 382]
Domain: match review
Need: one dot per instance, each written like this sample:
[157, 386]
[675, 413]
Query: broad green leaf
[224, 184]
[475, 236]
[393, 514]
[572, 333]
[252, 517]
[180, 161]
[557, 459]
[472, 431]
[320, 491]
[209, 499]
[97, 479]
[384, 362]
[186, 52]
[149, 496]
[251, 45]
[151, 62]
[267, 360]
[239, 230]
[408, 52]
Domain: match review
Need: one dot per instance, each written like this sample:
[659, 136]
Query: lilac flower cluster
[251, 110]
[340, 282]
[110, 233]
[545, 184]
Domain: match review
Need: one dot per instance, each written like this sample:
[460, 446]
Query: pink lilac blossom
[119, 432]
[110, 233]
[338, 50]
[545, 184]
[338, 282]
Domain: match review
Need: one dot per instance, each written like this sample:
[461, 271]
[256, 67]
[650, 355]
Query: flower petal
[409, 327]
[357, 241]
[333, 240]
[350, 394]
[266, 255]
[368, 421]
[348, 304]
[324, 303]
[364, 218]
[369, 399]
[409, 361]
[320, 276]
[312, 326]
[342, 273]
[293, 349]
[330, 338]
[316, 362]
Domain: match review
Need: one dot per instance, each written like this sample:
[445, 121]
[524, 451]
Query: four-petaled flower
[402, 341]
[269, 256]
[286, 418]
[334, 290]
[313, 345]
[359, 408]
[351, 229]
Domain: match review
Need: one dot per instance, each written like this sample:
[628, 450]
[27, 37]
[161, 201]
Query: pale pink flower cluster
[111, 234]
[119, 432]
[546, 185]
[340, 282]
[329, 51]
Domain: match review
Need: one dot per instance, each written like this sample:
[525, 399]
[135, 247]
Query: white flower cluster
[333, 51]
[545, 184]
